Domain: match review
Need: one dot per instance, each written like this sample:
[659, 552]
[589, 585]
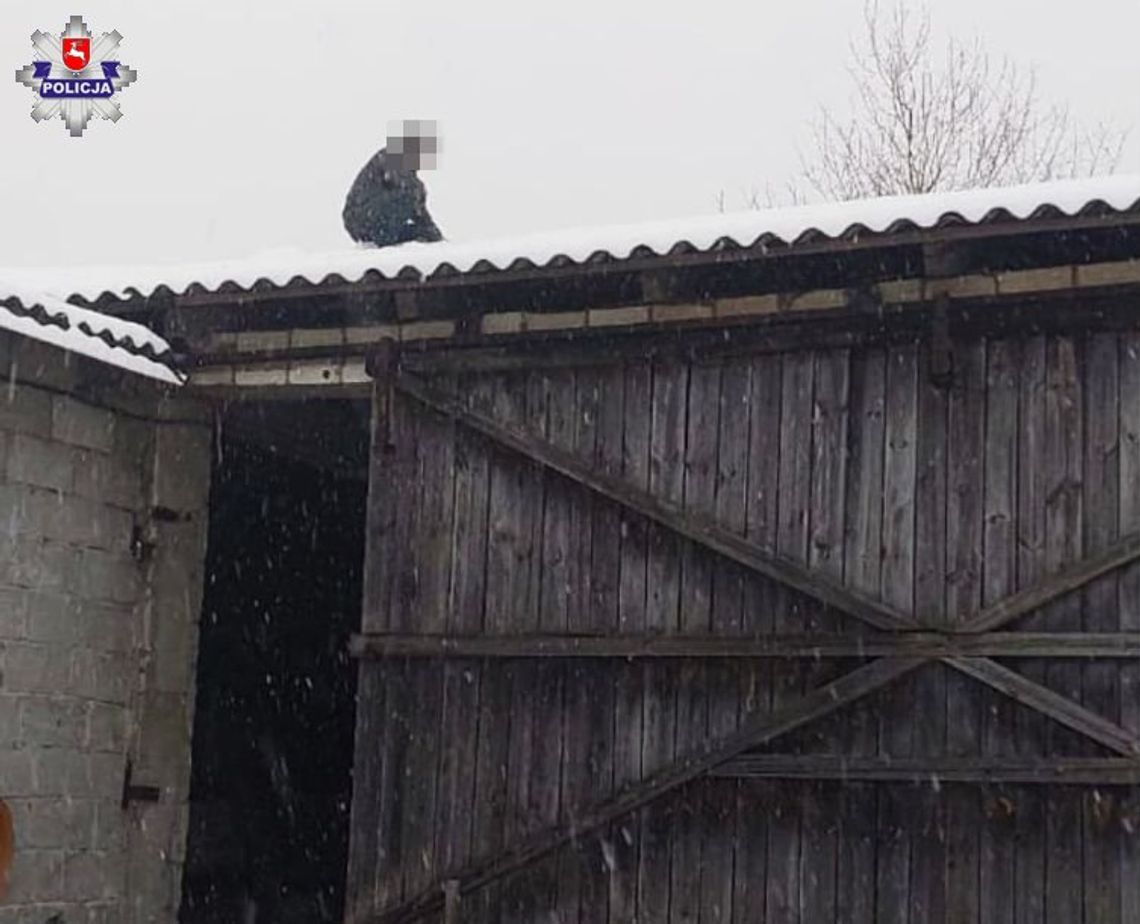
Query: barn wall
[856, 462]
[96, 646]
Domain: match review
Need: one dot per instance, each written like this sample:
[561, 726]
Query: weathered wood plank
[371, 687]
[1079, 645]
[366, 774]
[461, 679]
[560, 578]
[718, 818]
[400, 434]
[825, 555]
[531, 761]
[606, 407]
[759, 602]
[1029, 820]
[696, 615]
[1063, 545]
[756, 732]
[1129, 594]
[489, 805]
[668, 418]
[899, 478]
[629, 683]
[896, 738]
[785, 835]
[425, 595]
[855, 875]
[577, 877]
[918, 770]
[998, 846]
[932, 561]
[964, 528]
[391, 855]
[1100, 681]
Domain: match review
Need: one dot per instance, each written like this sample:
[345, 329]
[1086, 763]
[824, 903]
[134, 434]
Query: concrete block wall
[99, 602]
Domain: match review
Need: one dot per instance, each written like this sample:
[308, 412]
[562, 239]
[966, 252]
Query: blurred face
[413, 144]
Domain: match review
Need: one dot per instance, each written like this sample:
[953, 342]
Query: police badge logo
[76, 77]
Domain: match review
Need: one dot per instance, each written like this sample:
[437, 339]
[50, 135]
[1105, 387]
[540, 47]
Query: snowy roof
[759, 230]
[97, 336]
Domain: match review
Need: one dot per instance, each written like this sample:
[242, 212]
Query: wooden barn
[780, 567]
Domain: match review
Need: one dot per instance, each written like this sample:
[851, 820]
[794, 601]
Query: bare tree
[921, 123]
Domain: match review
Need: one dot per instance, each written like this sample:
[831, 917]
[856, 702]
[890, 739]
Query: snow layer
[832, 220]
[82, 331]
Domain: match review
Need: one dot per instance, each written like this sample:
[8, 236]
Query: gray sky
[250, 118]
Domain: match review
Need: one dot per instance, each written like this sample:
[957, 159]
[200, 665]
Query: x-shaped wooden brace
[761, 729]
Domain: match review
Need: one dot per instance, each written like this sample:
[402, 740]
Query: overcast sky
[250, 118]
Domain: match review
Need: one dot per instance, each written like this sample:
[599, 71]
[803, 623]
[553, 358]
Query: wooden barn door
[823, 636]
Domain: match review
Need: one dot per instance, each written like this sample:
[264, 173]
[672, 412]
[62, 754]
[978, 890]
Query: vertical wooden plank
[720, 796]
[559, 583]
[1029, 820]
[401, 444]
[367, 771]
[1129, 599]
[629, 677]
[999, 558]
[825, 555]
[607, 406]
[785, 842]
[928, 866]
[1063, 545]
[964, 530]
[573, 426]
[494, 699]
[1101, 508]
[695, 617]
[755, 802]
[529, 755]
[366, 774]
[892, 894]
[539, 884]
[426, 611]
[855, 887]
[666, 474]
[461, 679]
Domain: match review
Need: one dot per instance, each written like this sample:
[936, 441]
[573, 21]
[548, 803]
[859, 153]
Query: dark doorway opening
[275, 710]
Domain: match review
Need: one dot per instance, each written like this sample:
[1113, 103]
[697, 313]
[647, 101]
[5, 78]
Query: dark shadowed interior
[273, 730]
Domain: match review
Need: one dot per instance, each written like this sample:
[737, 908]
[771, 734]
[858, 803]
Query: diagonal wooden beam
[757, 731]
[1057, 707]
[1062, 582]
[693, 526]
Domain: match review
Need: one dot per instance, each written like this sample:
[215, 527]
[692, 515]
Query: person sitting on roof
[387, 203]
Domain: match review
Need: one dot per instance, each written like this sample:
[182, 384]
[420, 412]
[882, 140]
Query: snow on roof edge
[112, 341]
[833, 221]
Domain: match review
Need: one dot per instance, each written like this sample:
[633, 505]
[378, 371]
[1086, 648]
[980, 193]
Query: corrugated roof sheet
[109, 340]
[766, 230]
